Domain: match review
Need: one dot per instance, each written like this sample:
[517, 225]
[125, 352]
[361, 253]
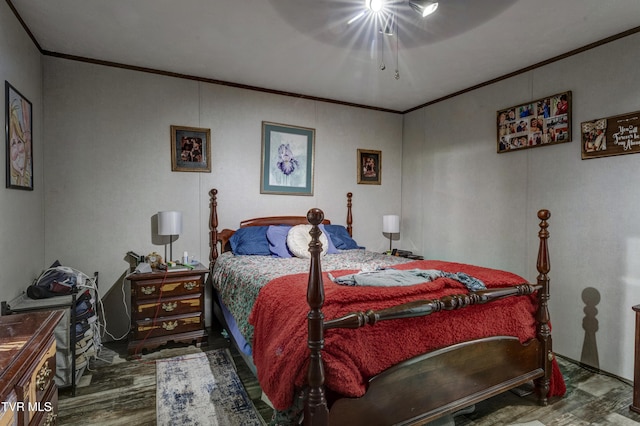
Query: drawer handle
[169, 306]
[190, 285]
[148, 290]
[169, 325]
[51, 419]
[43, 377]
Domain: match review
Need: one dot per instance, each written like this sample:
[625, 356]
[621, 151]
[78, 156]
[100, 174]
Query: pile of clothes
[60, 280]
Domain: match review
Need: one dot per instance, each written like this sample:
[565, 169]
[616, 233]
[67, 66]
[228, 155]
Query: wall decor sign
[190, 149]
[287, 159]
[609, 136]
[19, 144]
[369, 167]
[542, 122]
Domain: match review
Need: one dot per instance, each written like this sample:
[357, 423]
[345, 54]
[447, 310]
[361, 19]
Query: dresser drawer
[167, 306]
[37, 384]
[47, 412]
[165, 326]
[153, 289]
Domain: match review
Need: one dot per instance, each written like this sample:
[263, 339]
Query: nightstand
[167, 307]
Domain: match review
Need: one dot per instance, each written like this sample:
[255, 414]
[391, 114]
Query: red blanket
[279, 316]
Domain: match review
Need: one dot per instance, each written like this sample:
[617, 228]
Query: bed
[378, 355]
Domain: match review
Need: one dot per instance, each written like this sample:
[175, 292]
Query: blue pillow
[277, 239]
[340, 237]
[332, 248]
[251, 240]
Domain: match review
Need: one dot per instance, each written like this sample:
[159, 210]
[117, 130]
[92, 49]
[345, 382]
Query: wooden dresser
[167, 306]
[28, 365]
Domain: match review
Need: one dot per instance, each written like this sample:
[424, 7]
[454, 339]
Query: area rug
[202, 389]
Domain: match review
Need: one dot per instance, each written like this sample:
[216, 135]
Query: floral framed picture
[369, 167]
[287, 159]
[19, 144]
[190, 149]
[543, 122]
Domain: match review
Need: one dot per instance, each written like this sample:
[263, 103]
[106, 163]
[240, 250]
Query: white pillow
[298, 240]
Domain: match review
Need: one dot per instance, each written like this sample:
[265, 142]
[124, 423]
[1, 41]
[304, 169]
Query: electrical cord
[126, 310]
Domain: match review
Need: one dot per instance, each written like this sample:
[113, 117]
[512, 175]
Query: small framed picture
[190, 149]
[369, 167]
[605, 137]
[19, 145]
[287, 159]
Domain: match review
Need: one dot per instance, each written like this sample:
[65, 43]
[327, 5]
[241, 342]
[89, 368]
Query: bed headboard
[223, 236]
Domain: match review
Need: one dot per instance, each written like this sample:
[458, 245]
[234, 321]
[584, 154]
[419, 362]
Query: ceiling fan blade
[355, 18]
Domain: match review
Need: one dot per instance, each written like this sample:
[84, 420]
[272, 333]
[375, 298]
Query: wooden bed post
[213, 227]
[542, 315]
[316, 411]
[349, 216]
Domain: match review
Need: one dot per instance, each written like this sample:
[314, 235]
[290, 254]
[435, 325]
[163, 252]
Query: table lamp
[391, 225]
[170, 223]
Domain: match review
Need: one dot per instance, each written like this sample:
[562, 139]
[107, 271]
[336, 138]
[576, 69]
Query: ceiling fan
[422, 7]
[385, 15]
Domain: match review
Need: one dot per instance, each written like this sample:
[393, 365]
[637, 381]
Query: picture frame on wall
[606, 137]
[369, 167]
[543, 122]
[190, 149]
[287, 159]
[19, 131]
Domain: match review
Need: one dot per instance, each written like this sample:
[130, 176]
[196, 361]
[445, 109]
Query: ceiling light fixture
[386, 18]
[423, 7]
[374, 5]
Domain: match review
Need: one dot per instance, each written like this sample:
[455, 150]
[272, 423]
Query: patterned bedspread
[239, 279]
[278, 311]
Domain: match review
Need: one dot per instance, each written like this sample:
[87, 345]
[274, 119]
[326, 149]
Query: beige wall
[21, 212]
[464, 202]
[108, 169]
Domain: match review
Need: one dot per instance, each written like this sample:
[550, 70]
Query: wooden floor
[122, 392]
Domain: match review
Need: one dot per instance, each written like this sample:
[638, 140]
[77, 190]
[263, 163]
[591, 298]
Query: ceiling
[305, 47]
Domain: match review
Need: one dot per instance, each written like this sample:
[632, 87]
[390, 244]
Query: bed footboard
[463, 375]
[457, 373]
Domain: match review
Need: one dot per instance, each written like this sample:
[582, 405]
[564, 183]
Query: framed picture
[287, 159]
[615, 135]
[369, 167]
[542, 122]
[190, 149]
[19, 145]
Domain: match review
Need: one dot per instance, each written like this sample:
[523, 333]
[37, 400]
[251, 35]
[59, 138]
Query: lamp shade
[169, 223]
[391, 223]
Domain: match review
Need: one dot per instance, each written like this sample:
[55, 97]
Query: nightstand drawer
[36, 385]
[153, 289]
[166, 326]
[47, 413]
[149, 308]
